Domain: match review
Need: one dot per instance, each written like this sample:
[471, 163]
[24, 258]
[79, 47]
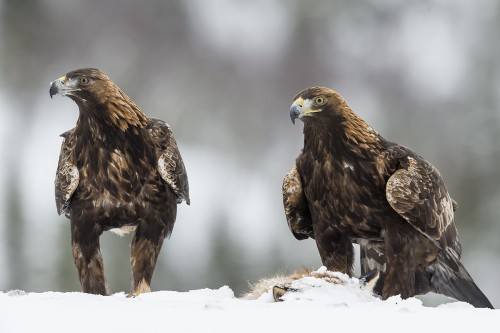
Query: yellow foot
[142, 287]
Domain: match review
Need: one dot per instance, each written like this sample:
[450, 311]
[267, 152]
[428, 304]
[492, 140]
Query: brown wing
[170, 164]
[67, 176]
[417, 192]
[296, 207]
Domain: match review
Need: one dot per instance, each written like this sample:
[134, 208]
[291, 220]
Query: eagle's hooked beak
[62, 86]
[296, 110]
[302, 108]
[57, 86]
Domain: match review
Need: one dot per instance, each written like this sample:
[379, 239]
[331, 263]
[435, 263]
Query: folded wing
[296, 206]
[170, 164]
[67, 176]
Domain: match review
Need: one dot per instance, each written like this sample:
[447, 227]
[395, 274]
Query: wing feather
[170, 164]
[417, 192]
[67, 175]
[296, 206]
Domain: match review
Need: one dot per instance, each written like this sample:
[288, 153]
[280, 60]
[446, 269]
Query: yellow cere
[300, 101]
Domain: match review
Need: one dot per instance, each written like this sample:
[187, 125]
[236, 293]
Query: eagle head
[82, 85]
[316, 104]
[96, 95]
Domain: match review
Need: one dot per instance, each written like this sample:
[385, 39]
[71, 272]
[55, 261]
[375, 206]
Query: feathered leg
[400, 260]
[373, 262]
[335, 249]
[87, 257]
[146, 246]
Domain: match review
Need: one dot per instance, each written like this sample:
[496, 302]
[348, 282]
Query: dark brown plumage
[350, 185]
[117, 169]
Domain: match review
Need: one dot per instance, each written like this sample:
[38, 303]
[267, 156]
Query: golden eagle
[117, 169]
[350, 185]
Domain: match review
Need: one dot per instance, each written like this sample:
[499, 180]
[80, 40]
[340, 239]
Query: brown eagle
[117, 169]
[350, 185]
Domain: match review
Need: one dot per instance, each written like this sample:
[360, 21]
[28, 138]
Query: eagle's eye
[84, 80]
[320, 100]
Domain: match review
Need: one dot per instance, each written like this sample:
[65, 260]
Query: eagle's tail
[450, 278]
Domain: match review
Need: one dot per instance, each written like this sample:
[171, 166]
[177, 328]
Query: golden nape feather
[124, 113]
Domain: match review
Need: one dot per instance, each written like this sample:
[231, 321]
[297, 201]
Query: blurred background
[425, 74]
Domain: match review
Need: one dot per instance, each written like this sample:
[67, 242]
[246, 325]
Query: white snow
[317, 305]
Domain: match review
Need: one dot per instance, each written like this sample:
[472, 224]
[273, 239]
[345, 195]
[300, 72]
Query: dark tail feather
[450, 278]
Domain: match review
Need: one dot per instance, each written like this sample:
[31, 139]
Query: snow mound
[320, 300]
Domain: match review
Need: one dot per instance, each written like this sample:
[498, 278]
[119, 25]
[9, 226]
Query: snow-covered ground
[318, 305]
